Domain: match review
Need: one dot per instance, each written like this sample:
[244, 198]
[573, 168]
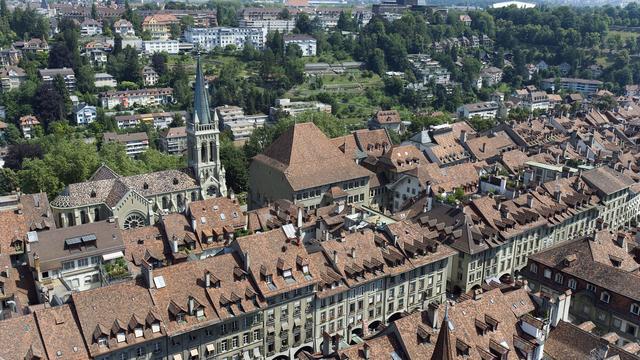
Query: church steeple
[201, 111]
[203, 142]
[444, 349]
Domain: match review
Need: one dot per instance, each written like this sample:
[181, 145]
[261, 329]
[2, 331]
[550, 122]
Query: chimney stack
[147, 273]
[433, 315]
[299, 218]
[463, 136]
[353, 252]
[557, 194]
[530, 201]
[207, 279]
[366, 349]
[174, 245]
[335, 257]
[247, 261]
[192, 306]
[484, 146]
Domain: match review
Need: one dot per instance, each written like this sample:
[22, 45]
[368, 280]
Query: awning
[246, 356]
[284, 325]
[177, 357]
[113, 255]
[210, 349]
[297, 322]
[193, 353]
[256, 353]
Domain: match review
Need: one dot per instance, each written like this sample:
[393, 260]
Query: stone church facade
[138, 200]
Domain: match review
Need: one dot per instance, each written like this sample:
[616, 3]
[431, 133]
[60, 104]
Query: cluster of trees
[21, 24]
[63, 157]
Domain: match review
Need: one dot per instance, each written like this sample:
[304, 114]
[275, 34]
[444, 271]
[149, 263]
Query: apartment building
[220, 37]
[598, 270]
[149, 76]
[240, 125]
[90, 27]
[85, 114]
[311, 176]
[104, 80]
[69, 77]
[142, 97]
[174, 140]
[159, 25]
[28, 125]
[306, 43]
[134, 143]
[124, 28]
[150, 47]
[160, 120]
[583, 86]
[11, 77]
[75, 258]
[293, 108]
[485, 110]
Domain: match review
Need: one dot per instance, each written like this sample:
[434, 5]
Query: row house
[598, 270]
[159, 25]
[221, 37]
[160, 120]
[142, 97]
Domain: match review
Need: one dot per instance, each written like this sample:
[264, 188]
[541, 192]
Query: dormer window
[138, 331]
[180, 318]
[287, 274]
[200, 313]
[155, 327]
[93, 193]
[635, 309]
[102, 341]
[145, 186]
[120, 337]
[605, 297]
[175, 181]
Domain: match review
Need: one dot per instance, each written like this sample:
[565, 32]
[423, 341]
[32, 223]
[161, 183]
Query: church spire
[444, 349]
[201, 111]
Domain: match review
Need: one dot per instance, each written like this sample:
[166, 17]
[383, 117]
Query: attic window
[120, 337]
[155, 327]
[93, 193]
[145, 186]
[222, 217]
[288, 275]
[180, 318]
[200, 313]
[102, 341]
[138, 332]
[615, 261]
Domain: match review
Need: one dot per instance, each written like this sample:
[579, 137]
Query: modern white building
[141, 97]
[306, 43]
[134, 143]
[90, 27]
[269, 25]
[211, 38]
[124, 28]
[85, 114]
[156, 46]
[234, 119]
[485, 110]
[293, 108]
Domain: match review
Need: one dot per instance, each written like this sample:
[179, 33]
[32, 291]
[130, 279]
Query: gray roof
[607, 180]
[110, 191]
[52, 247]
[54, 72]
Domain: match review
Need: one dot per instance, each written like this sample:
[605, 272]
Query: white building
[485, 110]
[103, 80]
[142, 97]
[234, 119]
[160, 120]
[293, 108]
[269, 25]
[155, 46]
[90, 27]
[124, 28]
[85, 114]
[210, 38]
[306, 43]
[517, 4]
[149, 76]
[134, 143]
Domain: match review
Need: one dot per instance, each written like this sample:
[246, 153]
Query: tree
[305, 25]
[94, 11]
[36, 176]
[115, 156]
[235, 164]
[86, 79]
[8, 181]
[159, 63]
[51, 105]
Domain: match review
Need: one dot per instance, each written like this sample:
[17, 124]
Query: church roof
[307, 158]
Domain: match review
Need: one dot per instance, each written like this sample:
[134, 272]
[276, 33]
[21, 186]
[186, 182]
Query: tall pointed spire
[201, 111]
[444, 349]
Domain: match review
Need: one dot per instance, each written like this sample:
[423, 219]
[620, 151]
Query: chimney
[484, 146]
[207, 279]
[366, 349]
[299, 218]
[463, 136]
[192, 306]
[557, 194]
[395, 239]
[433, 315]
[530, 201]
[247, 261]
[621, 240]
[335, 257]
[503, 185]
[36, 264]
[629, 164]
[326, 235]
[147, 273]
[232, 195]
[326, 344]
[174, 245]
[353, 253]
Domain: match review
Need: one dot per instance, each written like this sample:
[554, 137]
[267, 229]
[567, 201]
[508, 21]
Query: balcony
[115, 271]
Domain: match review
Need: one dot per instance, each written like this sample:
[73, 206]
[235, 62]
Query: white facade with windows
[211, 38]
[156, 46]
